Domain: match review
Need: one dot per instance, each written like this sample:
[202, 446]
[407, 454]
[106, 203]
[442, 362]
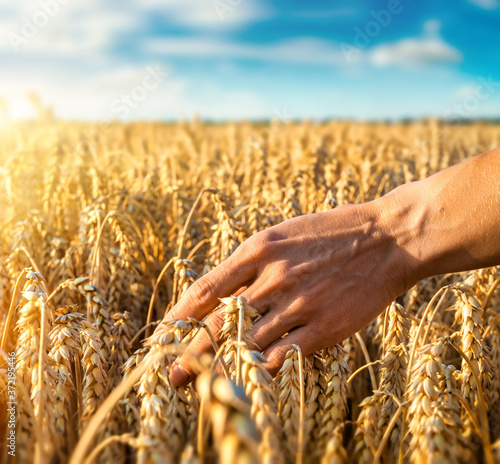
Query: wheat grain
[94, 367]
[475, 349]
[33, 328]
[289, 400]
[257, 382]
[335, 406]
[230, 330]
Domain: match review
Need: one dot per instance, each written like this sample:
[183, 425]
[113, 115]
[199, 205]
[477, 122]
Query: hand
[319, 278]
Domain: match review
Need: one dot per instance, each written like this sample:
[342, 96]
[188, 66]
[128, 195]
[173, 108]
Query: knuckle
[257, 247]
[275, 297]
[259, 244]
[297, 315]
[201, 291]
[303, 309]
[303, 273]
[239, 252]
[300, 303]
[215, 322]
[281, 268]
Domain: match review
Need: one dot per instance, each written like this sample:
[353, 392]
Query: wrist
[445, 223]
[405, 215]
[426, 228]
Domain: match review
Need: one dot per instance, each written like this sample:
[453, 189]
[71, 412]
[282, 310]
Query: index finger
[225, 279]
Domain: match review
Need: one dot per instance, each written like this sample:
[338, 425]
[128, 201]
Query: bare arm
[450, 221]
[322, 277]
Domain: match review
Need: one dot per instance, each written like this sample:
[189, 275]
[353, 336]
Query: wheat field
[105, 226]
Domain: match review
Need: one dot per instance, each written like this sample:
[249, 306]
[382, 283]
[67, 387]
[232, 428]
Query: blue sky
[238, 59]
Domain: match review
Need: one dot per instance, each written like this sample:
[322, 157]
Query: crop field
[105, 226]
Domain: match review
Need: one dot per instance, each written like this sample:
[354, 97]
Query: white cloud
[74, 28]
[415, 52]
[298, 50]
[430, 49]
[486, 4]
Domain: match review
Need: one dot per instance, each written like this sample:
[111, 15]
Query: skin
[322, 277]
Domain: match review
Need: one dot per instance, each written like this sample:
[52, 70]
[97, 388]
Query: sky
[252, 59]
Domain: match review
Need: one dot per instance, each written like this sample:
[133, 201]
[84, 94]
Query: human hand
[319, 278]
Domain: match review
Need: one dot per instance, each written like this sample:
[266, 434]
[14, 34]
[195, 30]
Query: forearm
[449, 222]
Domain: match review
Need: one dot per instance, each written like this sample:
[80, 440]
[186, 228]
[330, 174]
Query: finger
[257, 296]
[272, 326]
[182, 372]
[227, 278]
[241, 290]
[276, 353]
[270, 289]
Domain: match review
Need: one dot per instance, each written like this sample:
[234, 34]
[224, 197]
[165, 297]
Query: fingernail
[178, 375]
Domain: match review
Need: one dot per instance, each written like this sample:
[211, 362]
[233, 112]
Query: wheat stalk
[257, 383]
[238, 316]
[94, 366]
[289, 399]
[335, 406]
[35, 366]
[159, 398]
[475, 349]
